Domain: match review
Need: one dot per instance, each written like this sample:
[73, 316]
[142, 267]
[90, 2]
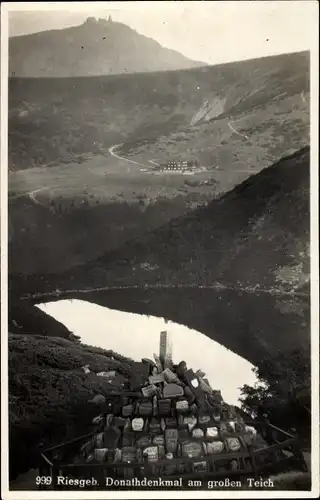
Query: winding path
[236, 131]
[32, 194]
[112, 153]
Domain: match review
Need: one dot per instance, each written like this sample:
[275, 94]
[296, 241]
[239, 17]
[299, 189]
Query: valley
[146, 188]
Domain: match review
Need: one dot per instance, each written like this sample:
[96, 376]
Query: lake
[137, 336]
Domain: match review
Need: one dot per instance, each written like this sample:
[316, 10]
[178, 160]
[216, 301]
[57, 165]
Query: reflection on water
[137, 336]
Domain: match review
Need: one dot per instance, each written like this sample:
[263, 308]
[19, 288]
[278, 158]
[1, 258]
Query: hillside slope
[54, 121]
[45, 373]
[257, 235]
[97, 47]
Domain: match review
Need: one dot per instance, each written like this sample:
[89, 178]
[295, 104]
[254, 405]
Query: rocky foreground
[170, 411]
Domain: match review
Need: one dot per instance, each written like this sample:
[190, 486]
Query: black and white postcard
[159, 250]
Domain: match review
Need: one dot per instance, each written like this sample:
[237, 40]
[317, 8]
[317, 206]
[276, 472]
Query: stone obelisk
[165, 352]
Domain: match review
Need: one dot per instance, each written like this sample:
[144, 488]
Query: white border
[26, 495]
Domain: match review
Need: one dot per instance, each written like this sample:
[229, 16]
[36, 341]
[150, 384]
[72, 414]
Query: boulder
[129, 454]
[204, 419]
[194, 383]
[200, 466]
[250, 429]
[149, 391]
[214, 447]
[217, 397]
[171, 422]
[194, 409]
[158, 440]
[233, 444]
[182, 406]
[197, 433]
[183, 434]
[143, 442]
[171, 440]
[172, 391]
[127, 410]
[181, 369]
[164, 407]
[139, 374]
[120, 422]
[137, 424]
[191, 449]
[128, 439]
[240, 426]
[212, 432]
[156, 379]
[248, 439]
[145, 408]
[110, 374]
[155, 426]
[189, 394]
[191, 421]
[204, 386]
[223, 428]
[170, 376]
[151, 453]
[99, 454]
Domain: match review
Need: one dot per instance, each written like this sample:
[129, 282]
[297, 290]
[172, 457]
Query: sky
[137, 336]
[212, 32]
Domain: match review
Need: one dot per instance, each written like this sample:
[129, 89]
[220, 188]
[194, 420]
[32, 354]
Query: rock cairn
[174, 413]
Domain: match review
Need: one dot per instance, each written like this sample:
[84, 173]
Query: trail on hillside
[112, 153]
[32, 194]
[236, 131]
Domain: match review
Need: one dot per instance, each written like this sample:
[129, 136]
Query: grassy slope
[45, 373]
[263, 223]
[62, 233]
[52, 121]
[58, 120]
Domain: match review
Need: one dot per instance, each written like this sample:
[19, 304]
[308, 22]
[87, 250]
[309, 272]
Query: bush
[283, 390]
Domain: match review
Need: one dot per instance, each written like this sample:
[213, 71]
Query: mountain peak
[99, 46]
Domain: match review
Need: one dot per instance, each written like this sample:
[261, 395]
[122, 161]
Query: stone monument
[165, 351]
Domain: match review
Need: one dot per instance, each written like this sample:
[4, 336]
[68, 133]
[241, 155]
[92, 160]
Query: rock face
[179, 415]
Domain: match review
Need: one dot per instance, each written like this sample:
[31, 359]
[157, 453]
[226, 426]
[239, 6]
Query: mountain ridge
[94, 48]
